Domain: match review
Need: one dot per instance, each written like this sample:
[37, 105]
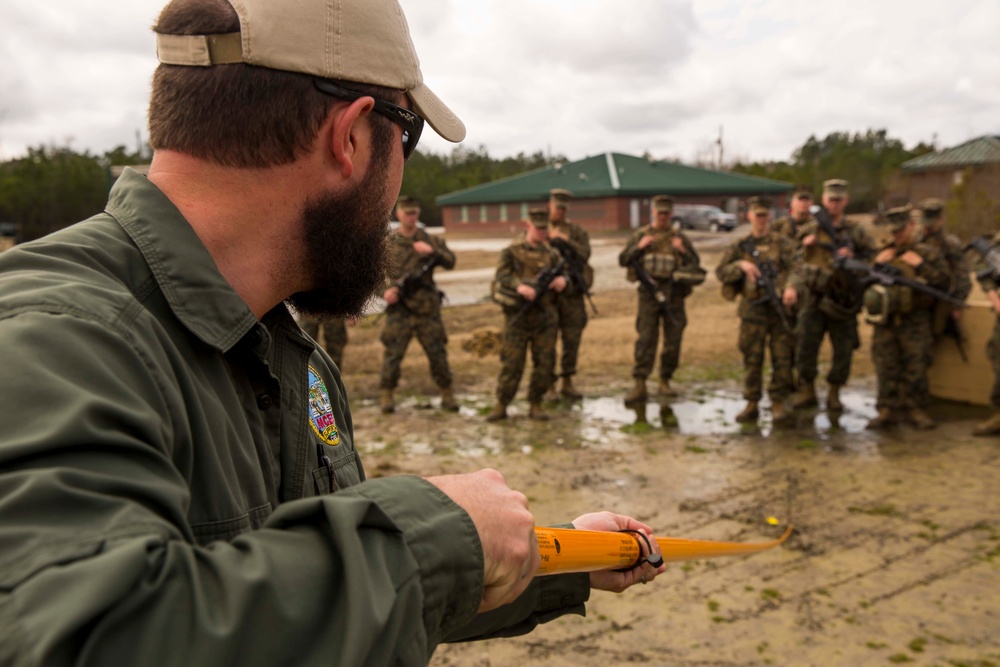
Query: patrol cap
[364, 41]
[539, 218]
[407, 205]
[802, 192]
[759, 204]
[663, 203]
[932, 209]
[898, 217]
[835, 188]
[559, 197]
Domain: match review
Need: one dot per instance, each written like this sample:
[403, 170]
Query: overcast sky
[575, 77]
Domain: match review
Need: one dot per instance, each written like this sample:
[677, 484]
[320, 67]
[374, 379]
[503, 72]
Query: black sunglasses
[411, 123]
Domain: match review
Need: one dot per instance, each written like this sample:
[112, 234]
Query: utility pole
[721, 150]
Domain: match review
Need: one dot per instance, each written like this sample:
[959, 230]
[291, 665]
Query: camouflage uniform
[814, 279]
[419, 314]
[990, 283]
[786, 226]
[899, 346]
[536, 326]
[334, 336]
[571, 309]
[650, 316]
[760, 323]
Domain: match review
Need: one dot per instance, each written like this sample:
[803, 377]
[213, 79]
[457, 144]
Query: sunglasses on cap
[411, 123]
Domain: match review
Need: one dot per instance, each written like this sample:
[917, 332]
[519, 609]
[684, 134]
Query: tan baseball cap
[932, 208]
[407, 204]
[759, 204]
[899, 217]
[539, 218]
[560, 197]
[835, 187]
[364, 41]
[663, 203]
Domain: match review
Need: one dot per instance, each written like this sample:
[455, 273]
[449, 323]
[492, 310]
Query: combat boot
[989, 427]
[386, 402]
[498, 413]
[665, 389]
[568, 390]
[833, 403]
[536, 412]
[448, 400]
[805, 397]
[885, 418]
[638, 392]
[749, 414]
[778, 412]
[921, 419]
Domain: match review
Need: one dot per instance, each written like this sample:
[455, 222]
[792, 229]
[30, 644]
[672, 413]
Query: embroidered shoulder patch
[321, 418]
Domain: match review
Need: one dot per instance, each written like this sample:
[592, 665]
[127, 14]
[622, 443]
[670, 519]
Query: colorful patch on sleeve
[321, 418]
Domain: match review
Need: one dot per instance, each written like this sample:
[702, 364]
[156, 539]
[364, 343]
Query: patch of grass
[822, 591]
[770, 594]
[876, 645]
[972, 663]
[687, 567]
[806, 444]
[864, 604]
[918, 644]
[927, 523]
[484, 410]
[638, 428]
[695, 449]
[851, 620]
[943, 639]
[748, 589]
[713, 605]
[761, 647]
[900, 658]
[878, 510]
[721, 619]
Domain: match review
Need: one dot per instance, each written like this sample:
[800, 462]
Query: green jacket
[165, 467]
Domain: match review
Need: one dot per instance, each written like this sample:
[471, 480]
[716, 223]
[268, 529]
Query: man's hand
[645, 241]
[558, 233]
[845, 252]
[616, 582]
[391, 295]
[751, 270]
[558, 284]
[506, 531]
[994, 300]
[885, 256]
[527, 291]
[809, 240]
[678, 244]
[423, 248]
[790, 297]
[912, 258]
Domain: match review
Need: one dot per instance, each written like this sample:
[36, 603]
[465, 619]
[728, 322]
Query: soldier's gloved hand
[506, 531]
[558, 283]
[423, 247]
[749, 269]
[527, 291]
[391, 295]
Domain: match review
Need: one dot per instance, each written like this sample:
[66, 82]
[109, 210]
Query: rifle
[543, 280]
[990, 253]
[409, 283]
[768, 274]
[653, 287]
[573, 268]
[888, 275]
[952, 331]
[838, 240]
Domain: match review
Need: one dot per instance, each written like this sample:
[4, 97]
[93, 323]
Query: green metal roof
[981, 150]
[614, 175]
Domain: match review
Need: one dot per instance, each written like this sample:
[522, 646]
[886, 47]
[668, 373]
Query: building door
[633, 213]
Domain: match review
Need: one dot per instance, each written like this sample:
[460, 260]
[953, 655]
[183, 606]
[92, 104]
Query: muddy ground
[894, 558]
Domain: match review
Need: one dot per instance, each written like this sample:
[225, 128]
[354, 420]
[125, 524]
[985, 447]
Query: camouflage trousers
[900, 356]
[537, 328]
[812, 325]
[400, 327]
[334, 337]
[572, 313]
[647, 324]
[755, 335]
[993, 351]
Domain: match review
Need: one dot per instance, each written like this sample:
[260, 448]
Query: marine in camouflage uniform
[417, 313]
[760, 324]
[829, 301]
[903, 322]
[664, 253]
[945, 321]
[989, 280]
[571, 310]
[529, 320]
[334, 336]
[798, 215]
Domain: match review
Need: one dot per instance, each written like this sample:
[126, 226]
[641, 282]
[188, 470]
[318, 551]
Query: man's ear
[348, 134]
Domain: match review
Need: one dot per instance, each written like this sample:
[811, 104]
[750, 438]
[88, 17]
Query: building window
[958, 178]
[465, 213]
[524, 210]
[503, 212]
[483, 216]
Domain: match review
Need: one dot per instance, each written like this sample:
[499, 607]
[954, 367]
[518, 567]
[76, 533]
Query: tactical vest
[886, 304]
[769, 248]
[660, 259]
[528, 262]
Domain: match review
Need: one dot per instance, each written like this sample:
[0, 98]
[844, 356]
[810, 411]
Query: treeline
[868, 160]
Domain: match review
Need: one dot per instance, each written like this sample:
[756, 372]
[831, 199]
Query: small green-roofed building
[610, 191]
[974, 165]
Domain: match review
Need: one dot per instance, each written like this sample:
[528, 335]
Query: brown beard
[346, 241]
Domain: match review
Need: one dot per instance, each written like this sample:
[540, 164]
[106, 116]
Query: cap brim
[434, 111]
